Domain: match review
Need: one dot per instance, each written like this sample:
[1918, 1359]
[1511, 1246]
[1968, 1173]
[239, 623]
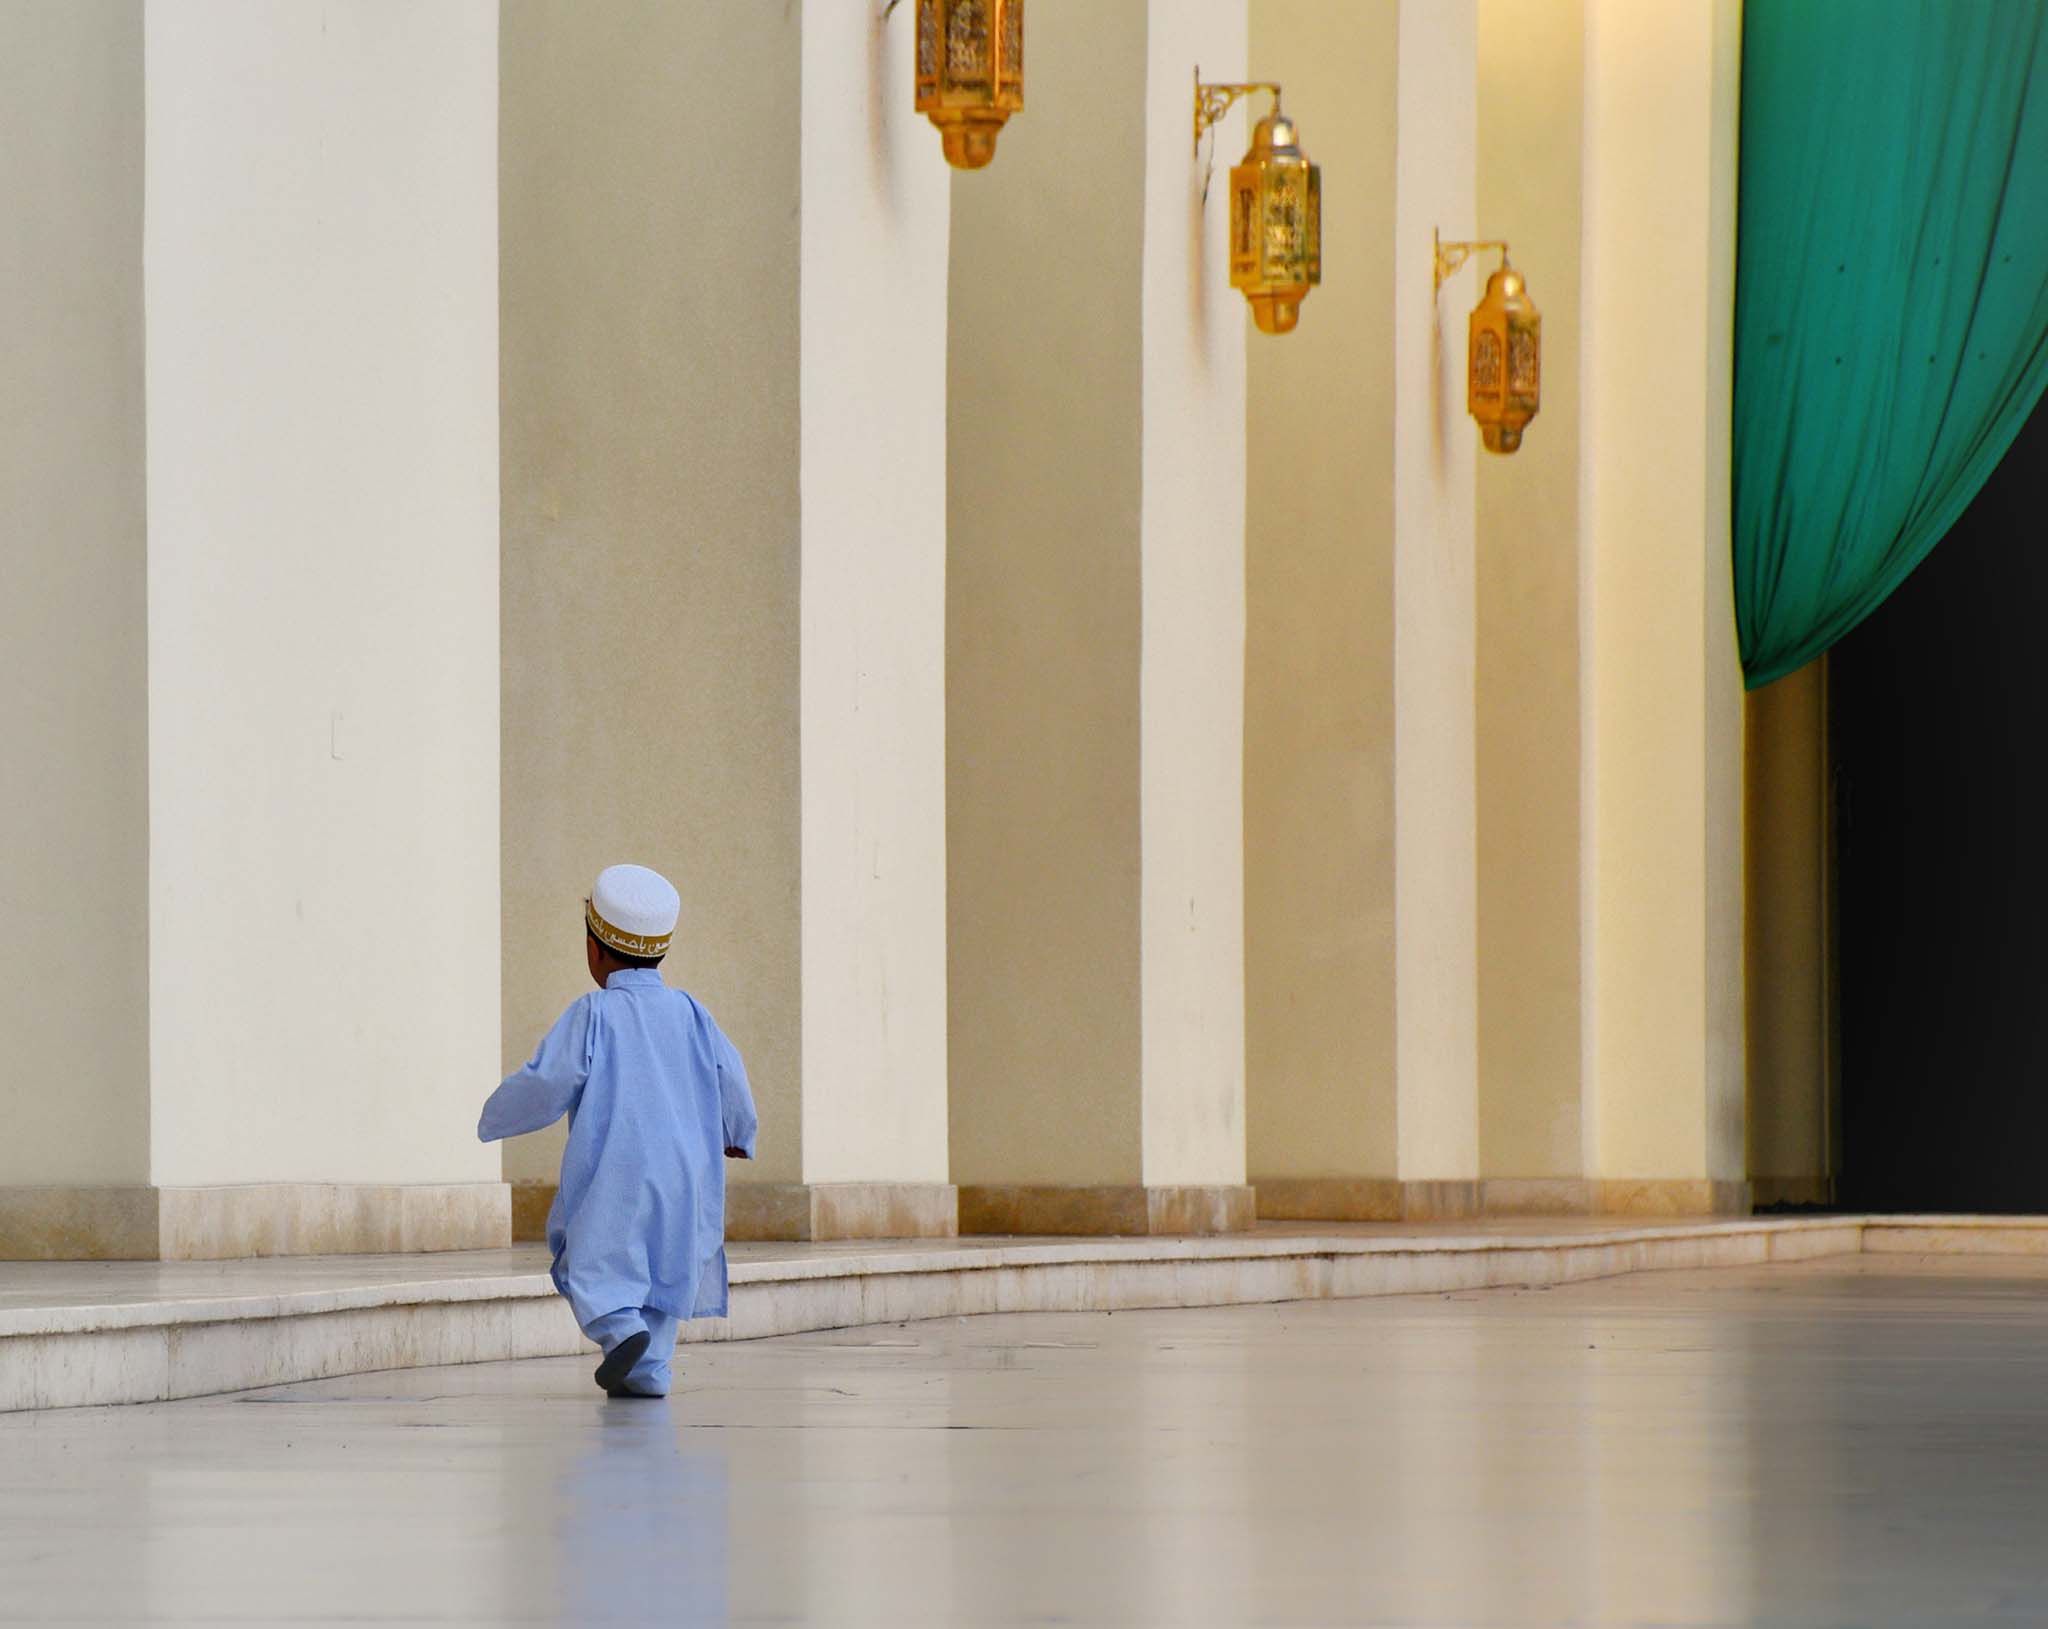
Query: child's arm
[547, 1088]
[735, 1102]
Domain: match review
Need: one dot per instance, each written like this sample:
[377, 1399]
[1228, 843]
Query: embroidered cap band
[632, 910]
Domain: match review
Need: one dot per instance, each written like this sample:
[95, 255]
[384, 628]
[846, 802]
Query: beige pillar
[1531, 163]
[724, 422]
[1791, 1121]
[1319, 660]
[650, 598]
[1360, 802]
[1095, 620]
[1661, 724]
[74, 809]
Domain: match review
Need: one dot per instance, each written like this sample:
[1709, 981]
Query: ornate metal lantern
[1504, 352]
[1276, 210]
[970, 73]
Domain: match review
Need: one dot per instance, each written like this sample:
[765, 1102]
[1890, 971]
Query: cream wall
[1319, 674]
[1531, 159]
[1661, 717]
[651, 533]
[320, 287]
[1044, 385]
[752, 558]
[74, 818]
[1192, 620]
[1435, 860]
[873, 448]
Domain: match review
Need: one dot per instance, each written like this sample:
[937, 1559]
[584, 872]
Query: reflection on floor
[1862, 1440]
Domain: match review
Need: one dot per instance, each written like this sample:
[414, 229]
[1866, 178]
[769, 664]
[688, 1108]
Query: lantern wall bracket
[1450, 256]
[1213, 101]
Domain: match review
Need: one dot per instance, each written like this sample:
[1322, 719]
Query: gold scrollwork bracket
[1450, 256]
[1213, 101]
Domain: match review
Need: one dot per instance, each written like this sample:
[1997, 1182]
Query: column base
[1111, 1209]
[841, 1210]
[1364, 1199]
[1383, 1199]
[231, 1222]
[1539, 1196]
[795, 1212]
[1682, 1196]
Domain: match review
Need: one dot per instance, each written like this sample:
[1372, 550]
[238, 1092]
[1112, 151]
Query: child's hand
[737, 1154]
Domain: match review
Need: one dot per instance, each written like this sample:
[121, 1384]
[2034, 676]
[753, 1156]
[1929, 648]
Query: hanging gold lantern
[970, 73]
[1276, 210]
[1276, 225]
[1504, 350]
[1504, 361]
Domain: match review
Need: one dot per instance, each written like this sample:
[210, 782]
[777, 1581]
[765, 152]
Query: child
[654, 1092]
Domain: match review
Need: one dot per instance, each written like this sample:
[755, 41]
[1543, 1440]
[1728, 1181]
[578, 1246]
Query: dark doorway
[1939, 740]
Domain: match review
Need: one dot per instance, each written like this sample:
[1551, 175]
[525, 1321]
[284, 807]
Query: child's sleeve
[735, 1100]
[547, 1088]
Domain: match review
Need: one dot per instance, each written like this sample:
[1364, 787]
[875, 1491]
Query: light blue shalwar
[655, 1094]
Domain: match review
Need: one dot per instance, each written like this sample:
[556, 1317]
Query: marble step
[75, 1334]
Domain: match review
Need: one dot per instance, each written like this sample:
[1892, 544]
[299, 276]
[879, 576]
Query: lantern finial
[970, 73]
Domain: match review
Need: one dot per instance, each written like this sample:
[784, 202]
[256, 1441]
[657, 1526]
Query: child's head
[628, 920]
[605, 961]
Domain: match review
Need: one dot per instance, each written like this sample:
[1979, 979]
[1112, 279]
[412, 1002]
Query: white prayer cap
[633, 910]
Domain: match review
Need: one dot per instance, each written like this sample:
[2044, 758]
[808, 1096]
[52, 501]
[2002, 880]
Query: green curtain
[1891, 318]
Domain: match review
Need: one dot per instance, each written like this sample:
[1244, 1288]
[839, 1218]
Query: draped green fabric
[1891, 321]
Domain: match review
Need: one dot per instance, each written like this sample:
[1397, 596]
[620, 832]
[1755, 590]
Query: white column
[1192, 611]
[873, 665]
[1663, 718]
[322, 408]
[1435, 841]
[1531, 166]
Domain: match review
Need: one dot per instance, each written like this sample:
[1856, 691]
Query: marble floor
[1861, 1440]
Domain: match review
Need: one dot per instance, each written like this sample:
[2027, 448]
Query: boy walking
[655, 1093]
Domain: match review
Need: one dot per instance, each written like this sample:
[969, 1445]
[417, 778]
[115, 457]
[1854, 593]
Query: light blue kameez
[655, 1094]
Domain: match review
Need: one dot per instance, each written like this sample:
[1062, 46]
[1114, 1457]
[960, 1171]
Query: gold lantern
[1504, 350]
[1276, 210]
[970, 73]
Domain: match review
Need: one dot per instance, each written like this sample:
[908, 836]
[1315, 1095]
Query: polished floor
[1861, 1441]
